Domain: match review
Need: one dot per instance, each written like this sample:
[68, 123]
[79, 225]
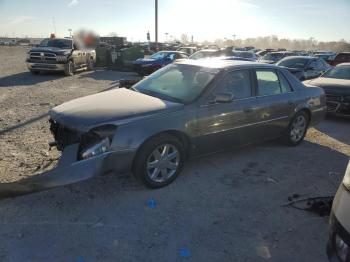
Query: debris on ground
[319, 205]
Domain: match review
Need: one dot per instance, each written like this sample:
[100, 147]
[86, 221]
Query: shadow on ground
[337, 128]
[22, 124]
[27, 79]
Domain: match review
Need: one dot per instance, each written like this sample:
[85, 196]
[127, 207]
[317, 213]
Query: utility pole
[156, 23]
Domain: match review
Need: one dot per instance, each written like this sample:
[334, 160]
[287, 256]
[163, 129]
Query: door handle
[290, 103]
[248, 110]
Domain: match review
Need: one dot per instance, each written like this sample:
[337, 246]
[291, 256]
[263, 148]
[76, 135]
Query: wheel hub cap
[163, 163]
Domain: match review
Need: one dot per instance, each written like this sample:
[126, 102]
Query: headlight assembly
[96, 149]
[346, 180]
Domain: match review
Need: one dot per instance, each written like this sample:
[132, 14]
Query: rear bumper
[339, 224]
[69, 171]
[45, 67]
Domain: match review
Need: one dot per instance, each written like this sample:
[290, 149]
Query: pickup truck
[60, 54]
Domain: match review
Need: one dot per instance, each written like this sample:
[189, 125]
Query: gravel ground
[224, 207]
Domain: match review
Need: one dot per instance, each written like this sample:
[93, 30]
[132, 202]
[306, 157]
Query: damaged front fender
[68, 171]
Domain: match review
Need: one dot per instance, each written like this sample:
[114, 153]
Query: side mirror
[223, 98]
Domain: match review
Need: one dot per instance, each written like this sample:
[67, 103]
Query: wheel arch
[181, 136]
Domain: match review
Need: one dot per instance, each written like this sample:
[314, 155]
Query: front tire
[297, 129]
[69, 68]
[159, 161]
[91, 64]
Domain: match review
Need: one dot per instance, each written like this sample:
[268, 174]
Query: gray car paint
[204, 125]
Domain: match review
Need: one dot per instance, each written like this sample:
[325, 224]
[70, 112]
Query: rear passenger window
[268, 83]
[285, 86]
[236, 83]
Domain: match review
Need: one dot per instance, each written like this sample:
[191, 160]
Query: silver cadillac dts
[185, 109]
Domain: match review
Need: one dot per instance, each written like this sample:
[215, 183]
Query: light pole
[70, 33]
[156, 23]
[166, 37]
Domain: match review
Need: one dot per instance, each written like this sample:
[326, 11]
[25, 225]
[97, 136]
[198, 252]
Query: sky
[324, 20]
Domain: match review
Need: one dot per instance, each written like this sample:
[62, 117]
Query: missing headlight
[97, 141]
[96, 149]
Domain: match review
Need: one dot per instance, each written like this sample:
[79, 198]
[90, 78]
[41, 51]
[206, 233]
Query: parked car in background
[343, 57]
[274, 57]
[336, 83]
[186, 109]
[245, 54]
[236, 58]
[189, 50]
[145, 66]
[338, 248]
[60, 54]
[261, 53]
[304, 67]
[205, 53]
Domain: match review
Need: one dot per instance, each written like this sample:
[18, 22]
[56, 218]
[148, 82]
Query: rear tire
[297, 129]
[159, 161]
[34, 72]
[69, 68]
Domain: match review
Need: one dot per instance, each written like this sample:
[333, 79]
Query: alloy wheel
[163, 163]
[298, 128]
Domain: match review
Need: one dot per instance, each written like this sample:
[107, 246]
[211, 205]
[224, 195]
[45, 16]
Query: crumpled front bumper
[69, 171]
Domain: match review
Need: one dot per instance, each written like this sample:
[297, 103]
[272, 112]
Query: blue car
[146, 66]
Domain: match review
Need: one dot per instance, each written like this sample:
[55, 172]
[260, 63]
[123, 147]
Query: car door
[275, 102]
[222, 125]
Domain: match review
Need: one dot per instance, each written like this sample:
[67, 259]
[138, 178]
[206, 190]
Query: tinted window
[343, 57]
[285, 86]
[340, 72]
[312, 64]
[320, 65]
[236, 83]
[268, 83]
[293, 62]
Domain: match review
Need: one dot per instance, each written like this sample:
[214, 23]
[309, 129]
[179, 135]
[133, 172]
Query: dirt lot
[224, 207]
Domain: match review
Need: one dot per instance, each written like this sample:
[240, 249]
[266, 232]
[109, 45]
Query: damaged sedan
[185, 109]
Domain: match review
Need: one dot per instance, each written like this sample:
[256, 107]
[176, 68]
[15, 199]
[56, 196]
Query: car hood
[55, 50]
[119, 105]
[332, 85]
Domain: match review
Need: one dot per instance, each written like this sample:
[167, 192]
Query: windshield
[294, 63]
[340, 72]
[178, 83]
[59, 43]
[159, 55]
[272, 56]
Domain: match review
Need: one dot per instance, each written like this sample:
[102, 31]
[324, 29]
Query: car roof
[343, 64]
[299, 57]
[172, 52]
[223, 64]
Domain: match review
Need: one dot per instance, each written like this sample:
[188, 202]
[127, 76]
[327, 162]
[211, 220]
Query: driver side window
[237, 83]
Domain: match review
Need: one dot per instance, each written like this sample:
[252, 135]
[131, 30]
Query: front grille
[332, 106]
[334, 98]
[63, 135]
[42, 57]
